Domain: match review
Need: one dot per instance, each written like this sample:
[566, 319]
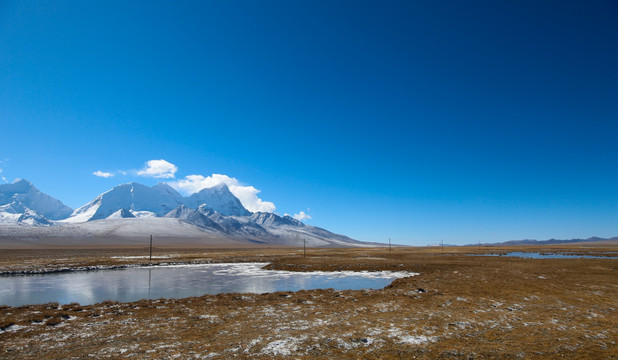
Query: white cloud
[159, 169]
[102, 174]
[246, 194]
[301, 216]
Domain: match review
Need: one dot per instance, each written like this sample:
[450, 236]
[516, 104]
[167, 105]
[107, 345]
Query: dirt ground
[459, 307]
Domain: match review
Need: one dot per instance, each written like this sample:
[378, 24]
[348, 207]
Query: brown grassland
[459, 307]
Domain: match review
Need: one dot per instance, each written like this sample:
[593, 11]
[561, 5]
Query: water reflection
[149, 278]
[536, 255]
[88, 287]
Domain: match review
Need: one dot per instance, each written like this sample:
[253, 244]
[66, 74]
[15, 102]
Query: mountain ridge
[546, 242]
[22, 198]
[135, 210]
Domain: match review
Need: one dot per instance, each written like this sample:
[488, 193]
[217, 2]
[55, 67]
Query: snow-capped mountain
[23, 203]
[193, 216]
[273, 220]
[260, 227]
[134, 197]
[220, 199]
[131, 211]
[139, 200]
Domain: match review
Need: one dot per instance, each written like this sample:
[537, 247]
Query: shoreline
[457, 307]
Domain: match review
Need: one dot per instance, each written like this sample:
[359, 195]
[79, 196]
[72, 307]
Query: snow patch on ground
[11, 328]
[256, 269]
[283, 347]
[252, 344]
[405, 338]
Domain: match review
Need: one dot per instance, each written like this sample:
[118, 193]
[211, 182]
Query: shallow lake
[536, 255]
[176, 281]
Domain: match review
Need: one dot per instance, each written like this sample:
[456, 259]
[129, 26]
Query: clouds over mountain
[102, 174]
[248, 195]
[160, 169]
[191, 184]
[302, 216]
[1, 170]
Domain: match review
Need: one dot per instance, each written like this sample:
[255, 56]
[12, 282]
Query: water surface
[536, 255]
[125, 285]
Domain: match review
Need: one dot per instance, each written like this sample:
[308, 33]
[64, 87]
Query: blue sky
[415, 120]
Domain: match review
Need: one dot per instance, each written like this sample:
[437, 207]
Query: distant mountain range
[546, 242]
[135, 210]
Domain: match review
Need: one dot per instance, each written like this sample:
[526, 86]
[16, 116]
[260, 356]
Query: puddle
[179, 281]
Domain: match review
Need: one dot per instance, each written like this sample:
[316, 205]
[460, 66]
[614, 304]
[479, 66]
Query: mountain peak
[163, 185]
[22, 181]
[220, 199]
[221, 188]
[17, 186]
[215, 211]
[159, 199]
[21, 196]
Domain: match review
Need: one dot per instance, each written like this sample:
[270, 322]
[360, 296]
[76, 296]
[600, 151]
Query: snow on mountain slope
[220, 199]
[135, 210]
[314, 237]
[121, 214]
[114, 232]
[143, 227]
[31, 217]
[289, 231]
[194, 217]
[227, 226]
[159, 199]
[8, 217]
[21, 195]
[143, 213]
[270, 220]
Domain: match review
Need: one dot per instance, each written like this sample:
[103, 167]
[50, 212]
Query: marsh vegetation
[459, 306]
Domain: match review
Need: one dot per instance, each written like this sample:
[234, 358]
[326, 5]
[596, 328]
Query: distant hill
[593, 239]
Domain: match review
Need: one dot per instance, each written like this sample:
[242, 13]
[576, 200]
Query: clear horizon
[414, 121]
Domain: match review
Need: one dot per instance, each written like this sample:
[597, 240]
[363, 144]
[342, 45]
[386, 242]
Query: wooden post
[442, 245]
[390, 250]
[304, 248]
[150, 248]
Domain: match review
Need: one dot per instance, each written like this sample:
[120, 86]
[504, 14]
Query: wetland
[458, 307]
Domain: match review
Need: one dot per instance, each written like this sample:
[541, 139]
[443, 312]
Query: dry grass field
[459, 307]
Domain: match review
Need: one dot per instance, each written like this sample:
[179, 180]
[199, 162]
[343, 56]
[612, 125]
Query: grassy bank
[459, 307]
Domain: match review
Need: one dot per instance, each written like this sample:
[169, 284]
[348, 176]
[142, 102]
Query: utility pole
[151, 248]
[390, 250]
[442, 245]
[304, 248]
